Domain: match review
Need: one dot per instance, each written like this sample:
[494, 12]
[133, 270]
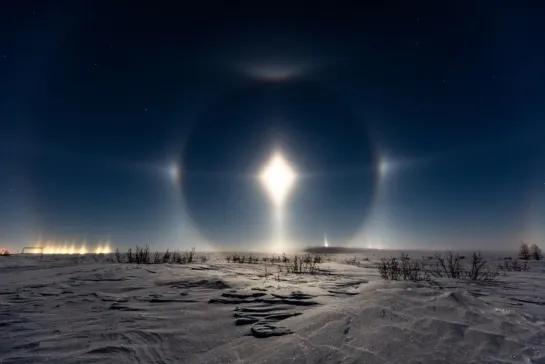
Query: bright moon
[278, 178]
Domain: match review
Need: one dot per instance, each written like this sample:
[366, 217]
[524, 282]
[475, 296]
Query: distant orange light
[70, 249]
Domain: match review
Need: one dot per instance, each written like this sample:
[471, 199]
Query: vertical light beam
[278, 178]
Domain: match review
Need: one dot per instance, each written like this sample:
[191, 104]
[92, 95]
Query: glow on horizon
[73, 248]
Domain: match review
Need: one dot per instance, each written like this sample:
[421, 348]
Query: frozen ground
[55, 311]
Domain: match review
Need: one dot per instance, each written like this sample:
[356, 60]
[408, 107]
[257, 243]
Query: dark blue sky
[410, 124]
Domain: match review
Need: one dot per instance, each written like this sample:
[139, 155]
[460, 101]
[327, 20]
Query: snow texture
[59, 310]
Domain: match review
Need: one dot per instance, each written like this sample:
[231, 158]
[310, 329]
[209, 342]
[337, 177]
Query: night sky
[410, 124]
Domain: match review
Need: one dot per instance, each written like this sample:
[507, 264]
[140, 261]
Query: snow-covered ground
[53, 310]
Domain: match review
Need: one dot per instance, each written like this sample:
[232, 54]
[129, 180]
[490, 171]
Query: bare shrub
[189, 256]
[524, 251]
[536, 252]
[252, 259]
[285, 259]
[515, 266]
[276, 259]
[130, 256]
[268, 259]
[238, 258]
[117, 255]
[176, 258]
[354, 261]
[306, 264]
[480, 270]
[295, 266]
[266, 272]
[449, 266]
[412, 270]
[99, 257]
[142, 255]
[390, 269]
[166, 257]
[403, 268]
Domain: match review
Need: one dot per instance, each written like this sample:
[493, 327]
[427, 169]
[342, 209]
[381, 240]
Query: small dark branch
[157, 258]
[166, 257]
[524, 252]
[479, 269]
[117, 256]
[390, 269]
[535, 252]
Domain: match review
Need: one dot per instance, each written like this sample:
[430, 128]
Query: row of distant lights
[70, 249]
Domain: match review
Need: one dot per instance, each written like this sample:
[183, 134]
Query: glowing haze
[68, 248]
[278, 178]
